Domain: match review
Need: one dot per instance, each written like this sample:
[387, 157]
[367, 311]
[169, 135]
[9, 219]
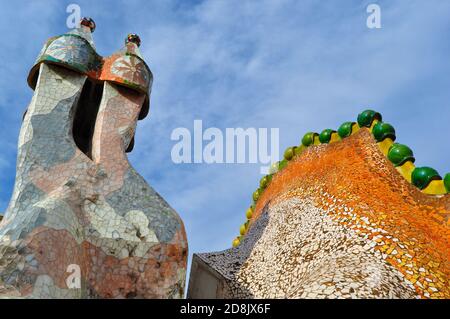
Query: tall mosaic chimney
[82, 223]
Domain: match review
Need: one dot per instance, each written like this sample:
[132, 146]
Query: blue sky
[289, 64]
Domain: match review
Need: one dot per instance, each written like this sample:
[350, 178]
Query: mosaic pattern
[339, 221]
[130, 68]
[76, 50]
[73, 50]
[88, 209]
[401, 156]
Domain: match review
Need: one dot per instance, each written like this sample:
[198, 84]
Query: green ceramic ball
[325, 136]
[381, 131]
[289, 153]
[308, 138]
[345, 130]
[398, 154]
[366, 118]
[447, 182]
[422, 176]
[249, 213]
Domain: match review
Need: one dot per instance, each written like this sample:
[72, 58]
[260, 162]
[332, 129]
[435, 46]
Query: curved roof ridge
[426, 179]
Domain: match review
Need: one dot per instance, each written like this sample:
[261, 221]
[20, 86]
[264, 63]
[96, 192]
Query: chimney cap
[88, 22]
[133, 38]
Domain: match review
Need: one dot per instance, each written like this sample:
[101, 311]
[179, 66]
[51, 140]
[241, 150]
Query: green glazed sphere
[399, 154]
[447, 182]
[345, 130]
[249, 213]
[382, 131]
[289, 153]
[256, 195]
[265, 181]
[308, 138]
[242, 230]
[325, 136]
[422, 176]
[282, 165]
[366, 118]
[236, 242]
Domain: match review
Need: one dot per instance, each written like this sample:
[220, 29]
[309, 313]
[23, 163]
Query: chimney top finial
[88, 22]
[133, 38]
